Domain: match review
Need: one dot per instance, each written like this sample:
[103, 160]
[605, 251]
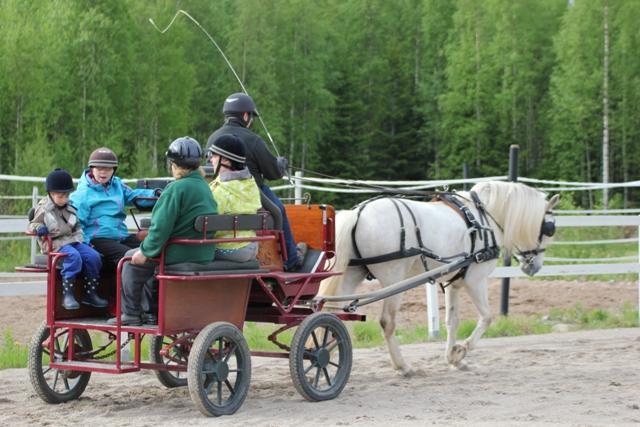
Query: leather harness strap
[478, 229]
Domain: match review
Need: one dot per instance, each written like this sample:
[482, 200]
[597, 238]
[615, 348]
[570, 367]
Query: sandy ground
[572, 378]
[22, 315]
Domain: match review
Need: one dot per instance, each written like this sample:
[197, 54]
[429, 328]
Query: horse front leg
[454, 353]
[388, 323]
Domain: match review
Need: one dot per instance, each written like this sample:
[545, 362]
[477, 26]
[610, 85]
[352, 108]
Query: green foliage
[12, 354]
[353, 89]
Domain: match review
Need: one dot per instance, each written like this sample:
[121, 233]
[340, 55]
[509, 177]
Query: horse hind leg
[388, 324]
[480, 297]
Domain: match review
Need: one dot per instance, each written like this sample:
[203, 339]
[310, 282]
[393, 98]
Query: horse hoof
[458, 352]
[458, 367]
[407, 372]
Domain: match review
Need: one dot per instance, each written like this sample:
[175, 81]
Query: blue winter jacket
[100, 209]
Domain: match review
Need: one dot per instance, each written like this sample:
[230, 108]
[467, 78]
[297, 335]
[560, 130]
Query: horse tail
[345, 221]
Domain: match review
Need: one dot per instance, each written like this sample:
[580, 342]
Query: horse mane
[518, 209]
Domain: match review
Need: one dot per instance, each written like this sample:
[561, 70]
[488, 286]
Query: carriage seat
[216, 267]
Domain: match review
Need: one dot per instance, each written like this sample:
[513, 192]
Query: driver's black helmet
[59, 181]
[238, 103]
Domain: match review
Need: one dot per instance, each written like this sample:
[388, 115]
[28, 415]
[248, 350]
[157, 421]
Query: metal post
[639, 275]
[513, 177]
[465, 175]
[433, 319]
[297, 182]
[34, 203]
[125, 351]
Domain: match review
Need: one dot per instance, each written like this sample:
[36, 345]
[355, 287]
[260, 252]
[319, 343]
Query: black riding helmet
[238, 103]
[59, 181]
[230, 147]
[185, 152]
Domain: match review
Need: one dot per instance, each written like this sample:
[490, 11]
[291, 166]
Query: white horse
[519, 216]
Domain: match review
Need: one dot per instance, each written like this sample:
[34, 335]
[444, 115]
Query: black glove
[157, 192]
[283, 165]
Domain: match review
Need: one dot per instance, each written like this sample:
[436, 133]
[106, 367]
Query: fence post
[465, 175]
[297, 182]
[639, 274]
[34, 203]
[433, 318]
[513, 177]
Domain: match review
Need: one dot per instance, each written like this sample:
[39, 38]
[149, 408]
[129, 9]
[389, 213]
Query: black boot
[91, 295]
[68, 300]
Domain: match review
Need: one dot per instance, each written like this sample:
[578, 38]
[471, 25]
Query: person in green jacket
[235, 192]
[172, 217]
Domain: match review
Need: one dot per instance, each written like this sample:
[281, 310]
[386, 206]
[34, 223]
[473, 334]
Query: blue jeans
[80, 255]
[290, 244]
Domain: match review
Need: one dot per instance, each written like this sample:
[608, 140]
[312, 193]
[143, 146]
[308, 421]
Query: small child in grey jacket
[57, 219]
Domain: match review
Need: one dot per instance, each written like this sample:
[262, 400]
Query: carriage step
[107, 368]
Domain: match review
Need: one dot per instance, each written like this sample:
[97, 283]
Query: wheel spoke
[220, 393]
[66, 382]
[325, 337]
[46, 371]
[311, 366]
[55, 380]
[315, 339]
[317, 378]
[230, 387]
[333, 344]
[232, 350]
[334, 364]
[326, 376]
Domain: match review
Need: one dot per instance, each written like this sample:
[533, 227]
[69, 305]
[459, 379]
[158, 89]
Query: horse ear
[553, 201]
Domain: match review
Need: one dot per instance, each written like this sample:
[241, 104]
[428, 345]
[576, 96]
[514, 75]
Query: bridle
[547, 228]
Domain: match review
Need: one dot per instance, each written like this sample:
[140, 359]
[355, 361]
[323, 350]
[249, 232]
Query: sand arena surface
[572, 378]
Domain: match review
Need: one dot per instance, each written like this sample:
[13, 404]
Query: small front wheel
[55, 385]
[177, 353]
[219, 369]
[320, 359]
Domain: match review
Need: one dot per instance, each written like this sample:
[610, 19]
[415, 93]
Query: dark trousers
[113, 250]
[139, 289]
[290, 244]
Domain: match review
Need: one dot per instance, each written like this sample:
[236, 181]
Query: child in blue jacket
[100, 200]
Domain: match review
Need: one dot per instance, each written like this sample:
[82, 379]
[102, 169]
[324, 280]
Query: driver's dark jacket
[261, 163]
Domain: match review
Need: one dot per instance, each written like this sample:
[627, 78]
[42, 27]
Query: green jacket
[173, 216]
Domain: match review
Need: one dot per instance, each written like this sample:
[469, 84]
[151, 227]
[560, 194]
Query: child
[56, 218]
[100, 201]
[173, 216]
[235, 192]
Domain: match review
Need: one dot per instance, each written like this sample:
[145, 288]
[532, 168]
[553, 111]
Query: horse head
[524, 216]
[531, 260]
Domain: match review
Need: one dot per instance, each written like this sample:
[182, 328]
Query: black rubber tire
[73, 382]
[228, 395]
[321, 357]
[169, 379]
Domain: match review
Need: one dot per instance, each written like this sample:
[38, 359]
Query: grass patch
[17, 253]
[12, 354]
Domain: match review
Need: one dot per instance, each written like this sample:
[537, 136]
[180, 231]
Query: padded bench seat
[218, 267]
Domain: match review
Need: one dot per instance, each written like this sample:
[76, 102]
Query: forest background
[361, 89]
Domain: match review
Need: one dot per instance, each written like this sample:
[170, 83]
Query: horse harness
[478, 229]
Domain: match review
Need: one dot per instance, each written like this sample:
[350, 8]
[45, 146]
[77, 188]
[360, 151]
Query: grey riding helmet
[185, 152]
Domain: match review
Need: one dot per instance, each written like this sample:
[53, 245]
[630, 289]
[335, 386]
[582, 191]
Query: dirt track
[574, 378]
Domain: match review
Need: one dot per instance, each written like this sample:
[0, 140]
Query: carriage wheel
[219, 369]
[178, 355]
[55, 385]
[320, 359]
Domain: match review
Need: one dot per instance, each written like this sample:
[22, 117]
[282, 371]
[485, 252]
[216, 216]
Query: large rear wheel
[55, 385]
[219, 369]
[320, 359]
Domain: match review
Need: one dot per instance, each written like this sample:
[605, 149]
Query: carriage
[202, 309]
